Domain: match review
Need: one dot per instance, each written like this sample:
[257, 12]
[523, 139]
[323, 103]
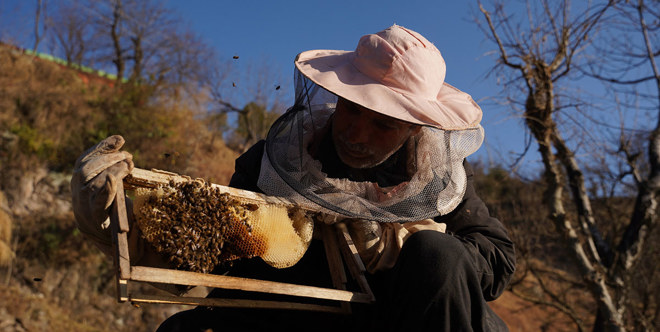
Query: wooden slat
[350, 251]
[120, 208]
[114, 228]
[335, 264]
[236, 303]
[122, 290]
[150, 274]
[141, 178]
[353, 260]
[124, 260]
[119, 227]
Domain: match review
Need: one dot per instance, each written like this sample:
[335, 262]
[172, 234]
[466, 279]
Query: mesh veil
[435, 159]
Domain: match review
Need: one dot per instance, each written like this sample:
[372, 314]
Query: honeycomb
[197, 227]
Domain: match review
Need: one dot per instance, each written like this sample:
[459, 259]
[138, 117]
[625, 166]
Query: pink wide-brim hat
[395, 72]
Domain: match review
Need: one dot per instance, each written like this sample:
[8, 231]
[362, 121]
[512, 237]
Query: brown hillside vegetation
[50, 115]
[6, 253]
[53, 279]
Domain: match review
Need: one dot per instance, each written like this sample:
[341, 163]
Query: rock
[70, 285]
[9, 323]
[34, 274]
[51, 281]
[38, 192]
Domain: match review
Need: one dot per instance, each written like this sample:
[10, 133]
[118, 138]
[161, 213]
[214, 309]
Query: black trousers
[433, 286]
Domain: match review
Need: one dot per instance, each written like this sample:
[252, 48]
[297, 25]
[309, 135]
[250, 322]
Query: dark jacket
[484, 236]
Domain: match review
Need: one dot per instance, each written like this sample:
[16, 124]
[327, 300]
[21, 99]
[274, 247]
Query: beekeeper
[378, 140]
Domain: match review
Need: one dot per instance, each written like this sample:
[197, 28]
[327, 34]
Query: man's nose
[358, 131]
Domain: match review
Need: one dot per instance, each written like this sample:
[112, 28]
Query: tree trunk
[116, 42]
[37, 17]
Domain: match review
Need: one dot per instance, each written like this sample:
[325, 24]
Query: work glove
[94, 185]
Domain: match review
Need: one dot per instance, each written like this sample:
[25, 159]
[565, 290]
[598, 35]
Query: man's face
[364, 138]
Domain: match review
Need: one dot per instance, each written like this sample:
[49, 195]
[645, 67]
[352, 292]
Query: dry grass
[60, 282]
[5, 227]
[6, 253]
[36, 313]
[522, 316]
[52, 116]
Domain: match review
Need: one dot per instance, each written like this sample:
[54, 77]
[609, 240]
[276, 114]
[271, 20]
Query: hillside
[53, 279]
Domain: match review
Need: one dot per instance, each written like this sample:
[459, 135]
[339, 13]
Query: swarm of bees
[196, 226]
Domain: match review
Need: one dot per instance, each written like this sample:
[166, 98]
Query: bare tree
[118, 50]
[38, 27]
[253, 123]
[69, 30]
[259, 87]
[629, 62]
[540, 57]
[130, 33]
[149, 27]
[147, 43]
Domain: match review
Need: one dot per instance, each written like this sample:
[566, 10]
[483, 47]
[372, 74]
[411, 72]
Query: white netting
[435, 181]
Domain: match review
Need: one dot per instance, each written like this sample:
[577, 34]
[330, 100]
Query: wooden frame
[339, 248]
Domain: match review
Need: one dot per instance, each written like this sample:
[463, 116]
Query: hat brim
[334, 71]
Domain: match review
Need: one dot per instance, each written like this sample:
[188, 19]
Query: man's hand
[94, 185]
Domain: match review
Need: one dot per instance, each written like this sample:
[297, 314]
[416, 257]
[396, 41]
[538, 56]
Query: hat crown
[395, 72]
[402, 60]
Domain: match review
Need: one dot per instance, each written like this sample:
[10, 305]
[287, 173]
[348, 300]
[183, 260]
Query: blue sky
[275, 31]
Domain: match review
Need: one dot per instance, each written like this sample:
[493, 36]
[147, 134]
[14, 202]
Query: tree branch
[503, 52]
[644, 214]
[599, 248]
[618, 81]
